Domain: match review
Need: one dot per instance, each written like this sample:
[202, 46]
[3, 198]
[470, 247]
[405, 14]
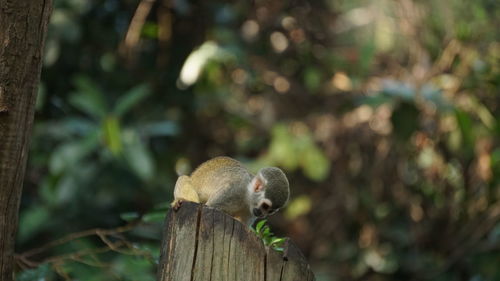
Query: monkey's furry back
[219, 173]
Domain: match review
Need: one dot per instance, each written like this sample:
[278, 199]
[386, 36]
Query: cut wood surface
[202, 243]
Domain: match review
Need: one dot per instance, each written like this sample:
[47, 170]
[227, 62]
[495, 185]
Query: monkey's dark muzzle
[257, 212]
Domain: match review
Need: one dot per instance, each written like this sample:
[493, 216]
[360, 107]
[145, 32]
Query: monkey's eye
[264, 206]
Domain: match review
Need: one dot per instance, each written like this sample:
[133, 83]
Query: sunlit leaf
[315, 164]
[112, 135]
[298, 206]
[277, 241]
[282, 149]
[259, 225]
[279, 249]
[266, 231]
[150, 30]
[195, 62]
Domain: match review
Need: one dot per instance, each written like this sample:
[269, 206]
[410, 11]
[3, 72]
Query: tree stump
[201, 243]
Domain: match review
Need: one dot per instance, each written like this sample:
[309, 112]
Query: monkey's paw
[177, 205]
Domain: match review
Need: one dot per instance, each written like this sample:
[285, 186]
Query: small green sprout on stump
[263, 231]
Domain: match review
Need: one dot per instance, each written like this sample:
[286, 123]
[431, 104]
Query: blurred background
[385, 115]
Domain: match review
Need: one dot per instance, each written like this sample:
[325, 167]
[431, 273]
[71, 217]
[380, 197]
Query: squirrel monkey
[224, 183]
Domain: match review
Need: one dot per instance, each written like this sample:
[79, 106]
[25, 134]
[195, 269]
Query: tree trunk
[202, 244]
[23, 25]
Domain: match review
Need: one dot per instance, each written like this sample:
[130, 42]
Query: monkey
[225, 184]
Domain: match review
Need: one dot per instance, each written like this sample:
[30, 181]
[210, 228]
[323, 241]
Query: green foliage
[293, 147]
[88, 98]
[263, 231]
[384, 117]
[34, 219]
[41, 272]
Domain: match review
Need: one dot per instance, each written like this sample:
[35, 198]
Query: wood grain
[23, 25]
[204, 244]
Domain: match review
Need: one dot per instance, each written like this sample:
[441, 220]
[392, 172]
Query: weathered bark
[201, 243]
[23, 25]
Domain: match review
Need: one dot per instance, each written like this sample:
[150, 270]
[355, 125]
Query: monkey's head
[269, 191]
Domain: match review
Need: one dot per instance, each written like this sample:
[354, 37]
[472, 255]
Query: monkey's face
[260, 205]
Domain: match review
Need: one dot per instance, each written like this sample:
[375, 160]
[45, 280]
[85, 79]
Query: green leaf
[495, 159]
[69, 185]
[164, 206]
[129, 216]
[315, 164]
[31, 221]
[298, 206]
[130, 99]
[276, 241]
[41, 96]
[466, 128]
[131, 268]
[69, 154]
[89, 98]
[150, 30]
[266, 231]
[154, 217]
[283, 149]
[66, 156]
[259, 225]
[69, 127]
[112, 135]
[138, 156]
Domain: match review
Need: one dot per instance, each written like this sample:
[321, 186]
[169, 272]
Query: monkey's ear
[257, 184]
